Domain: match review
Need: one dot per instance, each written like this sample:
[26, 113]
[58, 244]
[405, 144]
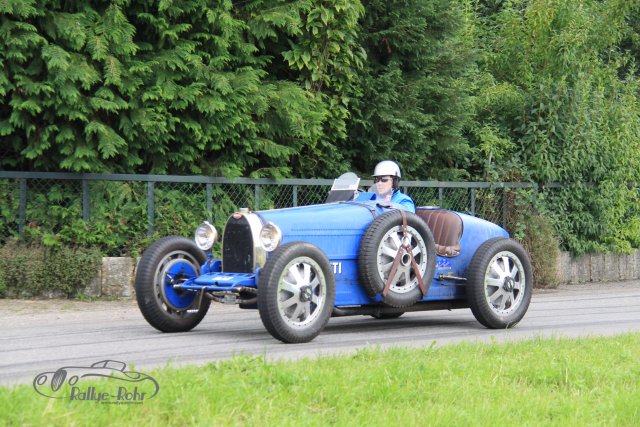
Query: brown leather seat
[446, 227]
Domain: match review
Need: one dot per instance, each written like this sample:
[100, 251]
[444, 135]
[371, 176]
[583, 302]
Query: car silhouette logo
[66, 382]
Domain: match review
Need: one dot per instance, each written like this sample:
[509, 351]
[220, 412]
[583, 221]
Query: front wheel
[296, 292]
[169, 261]
[500, 283]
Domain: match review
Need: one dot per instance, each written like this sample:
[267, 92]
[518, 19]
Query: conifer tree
[181, 86]
[415, 102]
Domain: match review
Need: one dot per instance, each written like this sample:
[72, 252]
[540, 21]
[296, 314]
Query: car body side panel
[338, 235]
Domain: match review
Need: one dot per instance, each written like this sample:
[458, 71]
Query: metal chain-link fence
[117, 211]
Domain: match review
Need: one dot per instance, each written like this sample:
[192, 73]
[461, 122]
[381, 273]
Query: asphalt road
[38, 336]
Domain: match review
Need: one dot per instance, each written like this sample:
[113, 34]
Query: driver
[386, 177]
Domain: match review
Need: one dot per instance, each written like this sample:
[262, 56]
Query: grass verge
[592, 381]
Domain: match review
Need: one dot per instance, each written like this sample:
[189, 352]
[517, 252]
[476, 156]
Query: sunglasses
[382, 179]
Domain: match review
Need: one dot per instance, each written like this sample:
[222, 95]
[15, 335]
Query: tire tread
[267, 292]
[145, 291]
[475, 283]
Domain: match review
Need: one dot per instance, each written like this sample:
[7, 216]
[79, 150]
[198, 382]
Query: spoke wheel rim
[504, 283]
[175, 267]
[301, 292]
[405, 279]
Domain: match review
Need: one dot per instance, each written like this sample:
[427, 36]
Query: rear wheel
[500, 283]
[169, 261]
[296, 292]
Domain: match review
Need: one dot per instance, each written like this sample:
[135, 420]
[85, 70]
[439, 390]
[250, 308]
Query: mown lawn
[559, 382]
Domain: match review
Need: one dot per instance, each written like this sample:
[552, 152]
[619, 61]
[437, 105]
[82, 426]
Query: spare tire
[378, 250]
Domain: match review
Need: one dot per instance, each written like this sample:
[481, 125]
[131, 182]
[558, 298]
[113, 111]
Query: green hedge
[26, 271]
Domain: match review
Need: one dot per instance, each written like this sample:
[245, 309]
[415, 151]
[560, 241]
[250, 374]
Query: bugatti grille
[237, 246]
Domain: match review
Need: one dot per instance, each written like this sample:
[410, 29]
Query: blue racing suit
[403, 200]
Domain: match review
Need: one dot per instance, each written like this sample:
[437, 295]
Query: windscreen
[346, 181]
[344, 188]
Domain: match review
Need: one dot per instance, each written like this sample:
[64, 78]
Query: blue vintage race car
[349, 256]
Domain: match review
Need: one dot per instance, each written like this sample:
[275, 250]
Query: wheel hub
[509, 284]
[403, 247]
[306, 293]
[301, 293]
[405, 259]
[178, 266]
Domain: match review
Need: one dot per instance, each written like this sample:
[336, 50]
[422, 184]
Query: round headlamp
[206, 236]
[270, 237]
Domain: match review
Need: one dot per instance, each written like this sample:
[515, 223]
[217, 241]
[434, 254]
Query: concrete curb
[597, 267]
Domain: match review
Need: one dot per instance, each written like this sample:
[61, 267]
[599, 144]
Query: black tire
[378, 248]
[499, 283]
[386, 316]
[296, 292]
[165, 308]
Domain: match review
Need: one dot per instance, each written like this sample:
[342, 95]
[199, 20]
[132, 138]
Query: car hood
[336, 228]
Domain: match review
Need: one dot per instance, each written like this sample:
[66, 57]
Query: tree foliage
[415, 100]
[535, 90]
[558, 102]
[178, 86]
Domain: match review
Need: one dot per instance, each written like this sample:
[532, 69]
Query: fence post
[22, 207]
[473, 201]
[504, 208]
[440, 195]
[150, 207]
[256, 197]
[85, 200]
[295, 196]
[210, 201]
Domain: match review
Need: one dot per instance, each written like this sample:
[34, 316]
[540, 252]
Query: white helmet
[387, 167]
